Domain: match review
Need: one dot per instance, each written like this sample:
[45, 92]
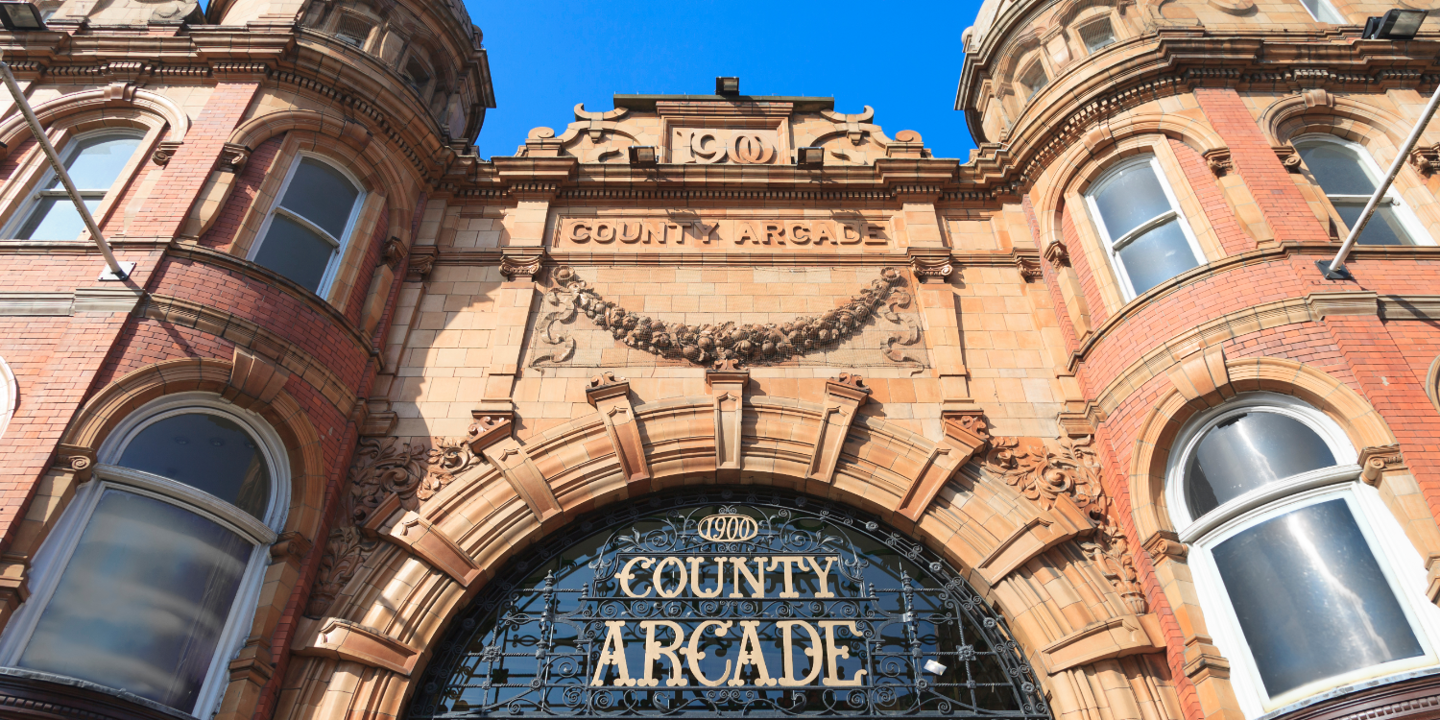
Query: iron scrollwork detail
[705, 344]
[549, 637]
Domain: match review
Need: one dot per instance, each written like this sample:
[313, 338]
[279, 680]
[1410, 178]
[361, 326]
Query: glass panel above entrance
[760, 604]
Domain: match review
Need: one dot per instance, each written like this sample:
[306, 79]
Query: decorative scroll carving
[931, 269]
[851, 123]
[165, 151]
[1425, 160]
[422, 261]
[1289, 157]
[233, 157]
[523, 267]
[746, 344]
[895, 342]
[1042, 472]
[345, 551]
[412, 472]
[1219, 161]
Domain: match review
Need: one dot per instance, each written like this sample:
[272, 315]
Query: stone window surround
[73, 520]
[1343, 480]
[1112, 253]
[34, 167]
[332, 268]
[1113, 293]
[345, 277]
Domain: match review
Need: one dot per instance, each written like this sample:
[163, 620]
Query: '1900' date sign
[767, 610]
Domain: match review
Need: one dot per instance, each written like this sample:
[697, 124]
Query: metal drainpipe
[117, 271]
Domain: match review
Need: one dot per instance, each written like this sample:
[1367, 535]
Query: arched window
[94, 162]
[1349, 176]
[149, 581]
[306, 233]
[1032, 80]
[1307, 581]
[1139, 220]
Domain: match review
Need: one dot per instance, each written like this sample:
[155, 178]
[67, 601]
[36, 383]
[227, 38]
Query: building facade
[719, 404]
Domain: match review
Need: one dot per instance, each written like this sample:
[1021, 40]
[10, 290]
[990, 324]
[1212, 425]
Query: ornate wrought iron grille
[728, 601]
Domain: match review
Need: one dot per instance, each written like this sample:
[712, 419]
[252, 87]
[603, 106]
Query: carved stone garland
[746, 344]
[1042, 472]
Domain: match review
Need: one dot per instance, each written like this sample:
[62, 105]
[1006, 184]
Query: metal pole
[44, 141]
[1400, 157]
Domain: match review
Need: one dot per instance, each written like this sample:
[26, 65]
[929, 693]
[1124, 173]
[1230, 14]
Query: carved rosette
[704, 344]
[1289, 157]
[413, 472]
[1043, 471]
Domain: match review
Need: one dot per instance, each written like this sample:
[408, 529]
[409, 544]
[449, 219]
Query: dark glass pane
[1131, 198]
[296, 252]
[1384, 227]
[96, 162]
[320, 194]
[1311, 599]
[143, 600]
[1336, 168]
[1248, 451]
[55, 219]
[1157, 256]
[206, 452]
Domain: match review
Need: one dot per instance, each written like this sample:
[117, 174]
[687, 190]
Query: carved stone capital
[1165, 545]
[422, 261]
[1289, 157]
[394, 252]
[165, 150]
[1219, 161]
[930, 264]
[77, 459]
[1425, 160]
[521, 265]
[233, 157]
[1058, 255]
[1204, 661]
[1376, 460]
[291, 547]
[1029, 267]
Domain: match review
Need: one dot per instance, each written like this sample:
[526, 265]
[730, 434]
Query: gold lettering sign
[728, 528]
[622, 234]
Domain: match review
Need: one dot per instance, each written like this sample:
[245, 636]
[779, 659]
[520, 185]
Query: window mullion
[292, 215]
[1144, 227]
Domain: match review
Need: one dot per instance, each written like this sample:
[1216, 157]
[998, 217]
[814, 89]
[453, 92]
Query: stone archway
[1024, 520]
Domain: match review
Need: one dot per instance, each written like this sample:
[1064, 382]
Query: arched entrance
[728, 600]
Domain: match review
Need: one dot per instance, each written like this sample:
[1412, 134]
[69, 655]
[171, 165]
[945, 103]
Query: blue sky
[902, 59]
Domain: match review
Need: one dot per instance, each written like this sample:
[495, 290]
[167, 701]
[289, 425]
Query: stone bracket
[255, 381]
[1323, 305]
[352, 642]
[510, 458]
[727, 387]
[611, 397]
[1375, 461]
[843, 398]
[1200, 373]
[965, 435]
[1044, 531]
[1115, 637]
[422, 538]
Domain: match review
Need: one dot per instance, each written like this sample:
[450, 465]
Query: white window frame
[54, 555]
[9, 394]
[1398, 560]
[1392, 198]
[1324, 5]
[339, 245]
[37, 192]
[1113, 245]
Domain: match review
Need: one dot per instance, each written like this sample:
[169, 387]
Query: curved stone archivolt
[434, 519]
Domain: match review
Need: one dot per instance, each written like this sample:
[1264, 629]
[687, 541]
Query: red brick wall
[247, 186]
[1202, 182]
[1255, 161]
[1082, 263]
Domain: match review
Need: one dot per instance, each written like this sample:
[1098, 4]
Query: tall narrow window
[353, 30]
[1292, 553]
[1033, 80]
[94, 163]
[147, 583]
[1097, 35]
[307, 230]
[1349, 177]
[1140, 223]
[417, 74]
[1323, 11]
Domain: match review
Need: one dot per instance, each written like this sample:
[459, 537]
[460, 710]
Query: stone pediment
[711, 130]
